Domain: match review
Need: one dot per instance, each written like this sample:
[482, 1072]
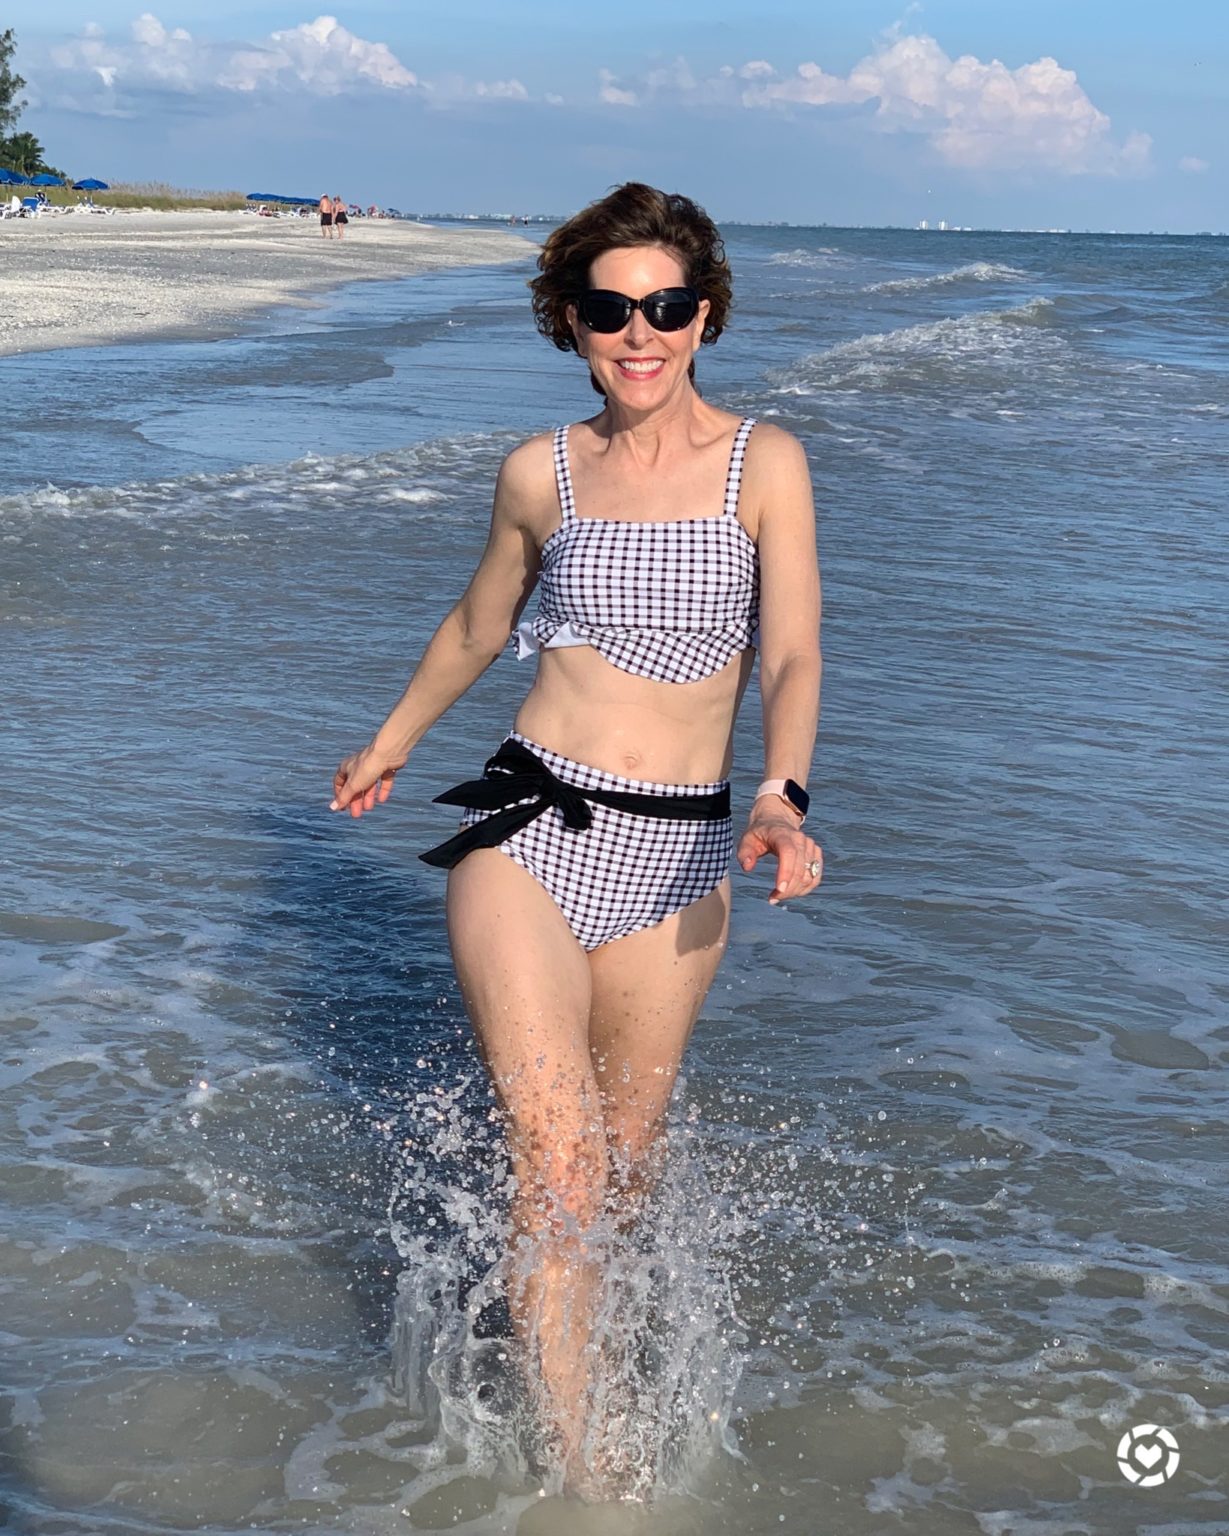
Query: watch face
[797, 796]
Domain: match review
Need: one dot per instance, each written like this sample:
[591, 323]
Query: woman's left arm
[790, 666]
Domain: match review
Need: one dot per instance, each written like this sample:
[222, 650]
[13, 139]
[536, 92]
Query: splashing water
[665, 1341]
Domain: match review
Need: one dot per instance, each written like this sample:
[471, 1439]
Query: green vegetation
[148, 194]
[10, 84]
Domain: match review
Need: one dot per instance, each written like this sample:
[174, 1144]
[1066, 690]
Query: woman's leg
[647, 992]
[526, 986]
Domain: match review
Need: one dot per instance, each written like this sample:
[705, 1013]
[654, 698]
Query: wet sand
[87, 279]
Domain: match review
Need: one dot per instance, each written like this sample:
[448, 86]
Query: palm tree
[22, 153]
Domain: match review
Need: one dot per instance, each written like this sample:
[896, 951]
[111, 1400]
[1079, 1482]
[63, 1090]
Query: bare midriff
[584, 707]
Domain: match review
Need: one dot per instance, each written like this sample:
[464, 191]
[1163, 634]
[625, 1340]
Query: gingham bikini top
[671, 600]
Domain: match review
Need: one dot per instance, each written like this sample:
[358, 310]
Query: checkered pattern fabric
[671, 600]
[624, 872]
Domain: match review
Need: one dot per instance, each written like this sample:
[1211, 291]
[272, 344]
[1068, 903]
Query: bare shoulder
[525, 490]
[771, 449]
[529, 467]
[776, 480]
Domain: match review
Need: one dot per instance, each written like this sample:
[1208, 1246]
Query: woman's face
[638, 367]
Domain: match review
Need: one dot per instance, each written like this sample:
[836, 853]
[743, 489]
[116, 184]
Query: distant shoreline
[83, 280]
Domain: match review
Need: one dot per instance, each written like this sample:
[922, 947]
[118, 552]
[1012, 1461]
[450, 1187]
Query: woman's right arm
[471, 636]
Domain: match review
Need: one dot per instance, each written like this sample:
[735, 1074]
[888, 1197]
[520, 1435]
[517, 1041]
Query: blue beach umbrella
[44, 179]
[90, 184]
[12, 178]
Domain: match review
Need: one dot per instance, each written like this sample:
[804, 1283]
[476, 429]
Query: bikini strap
[737, 454]
[563, 476]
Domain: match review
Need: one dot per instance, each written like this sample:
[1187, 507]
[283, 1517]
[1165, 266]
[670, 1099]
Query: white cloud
[809, 86]
[319, 56]
[1193, 163]
[976, 115]
[326, 56]
[150, 32]
[501, 90]
[611, 93]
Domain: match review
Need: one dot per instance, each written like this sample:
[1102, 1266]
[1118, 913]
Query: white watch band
[777, 787]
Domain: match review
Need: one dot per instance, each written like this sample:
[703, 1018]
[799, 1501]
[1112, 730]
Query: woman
[340, 218]
[588, 890]
[326, 216]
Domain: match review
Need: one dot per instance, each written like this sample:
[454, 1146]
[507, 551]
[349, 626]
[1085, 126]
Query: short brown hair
[633, 214]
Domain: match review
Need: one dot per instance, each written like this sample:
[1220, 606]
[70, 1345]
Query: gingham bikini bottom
[611, 869]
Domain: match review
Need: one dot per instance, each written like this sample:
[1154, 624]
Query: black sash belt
[515, 773]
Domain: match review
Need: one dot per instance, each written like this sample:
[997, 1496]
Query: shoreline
[80, 280]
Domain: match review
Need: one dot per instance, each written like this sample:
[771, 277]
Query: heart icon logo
[1146, 1446]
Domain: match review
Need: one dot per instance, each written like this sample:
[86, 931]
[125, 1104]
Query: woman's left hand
[794, 851]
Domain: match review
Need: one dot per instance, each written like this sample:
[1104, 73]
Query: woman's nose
[639, 331]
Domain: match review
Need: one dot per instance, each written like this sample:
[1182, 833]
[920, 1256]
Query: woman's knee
[561, 1178]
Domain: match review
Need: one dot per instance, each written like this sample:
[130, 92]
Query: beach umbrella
[12, 178]
[44, 179]
[90, 184]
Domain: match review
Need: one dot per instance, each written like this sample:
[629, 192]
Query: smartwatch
[787, 789]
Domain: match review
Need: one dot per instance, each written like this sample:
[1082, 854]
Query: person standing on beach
[340, 218]
[588, 893]
[326, 216]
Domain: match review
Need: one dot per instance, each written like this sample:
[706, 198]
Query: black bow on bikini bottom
[515, 774]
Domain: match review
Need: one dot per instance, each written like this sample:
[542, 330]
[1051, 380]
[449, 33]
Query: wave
[426, 475]
[925, 353]
[972, 272]
[821, 257]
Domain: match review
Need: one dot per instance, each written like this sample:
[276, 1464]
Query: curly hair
[629, 215]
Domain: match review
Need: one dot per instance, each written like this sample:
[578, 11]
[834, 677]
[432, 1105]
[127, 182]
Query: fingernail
[333, 805]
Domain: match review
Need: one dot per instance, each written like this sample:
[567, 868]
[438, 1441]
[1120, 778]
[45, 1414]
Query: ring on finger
[814, 869]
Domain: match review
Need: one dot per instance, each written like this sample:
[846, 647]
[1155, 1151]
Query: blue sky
[1100, 114]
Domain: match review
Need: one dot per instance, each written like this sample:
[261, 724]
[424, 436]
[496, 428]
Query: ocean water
[945, 1214]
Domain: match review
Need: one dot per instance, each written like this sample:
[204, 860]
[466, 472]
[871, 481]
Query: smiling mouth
[641, 368]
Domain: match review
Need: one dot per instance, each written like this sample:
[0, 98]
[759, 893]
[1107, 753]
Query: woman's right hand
[363, 778]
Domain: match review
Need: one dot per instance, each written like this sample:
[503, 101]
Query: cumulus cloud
[611, 93]
[319, 56]
[1193, 163]
[977, 115]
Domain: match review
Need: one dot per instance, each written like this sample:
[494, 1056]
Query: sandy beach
[80, 280]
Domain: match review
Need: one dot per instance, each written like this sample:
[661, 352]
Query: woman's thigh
[526, 986]
[647, 992]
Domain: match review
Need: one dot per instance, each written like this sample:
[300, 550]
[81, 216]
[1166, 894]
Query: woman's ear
[579, 334]
[701, 319]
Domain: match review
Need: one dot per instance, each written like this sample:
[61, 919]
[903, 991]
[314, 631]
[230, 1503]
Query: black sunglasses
[669, 309]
